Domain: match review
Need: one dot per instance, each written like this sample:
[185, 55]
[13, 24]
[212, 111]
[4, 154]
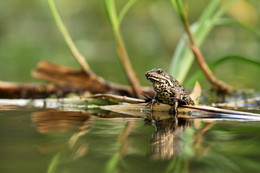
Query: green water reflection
[59, 142]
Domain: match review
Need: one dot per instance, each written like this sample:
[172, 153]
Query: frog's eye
[160, 71]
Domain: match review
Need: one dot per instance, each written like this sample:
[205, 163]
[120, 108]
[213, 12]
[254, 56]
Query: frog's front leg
[173, 110]
[152, 101]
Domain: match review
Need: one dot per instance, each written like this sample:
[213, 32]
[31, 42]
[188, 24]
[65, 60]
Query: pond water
[54, 141]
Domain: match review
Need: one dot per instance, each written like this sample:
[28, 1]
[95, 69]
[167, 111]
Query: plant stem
[202, 63]
[115, 21]
[73, 49]
[125, 62]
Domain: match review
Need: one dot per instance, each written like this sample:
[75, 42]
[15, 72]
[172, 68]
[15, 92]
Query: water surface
[53, 141]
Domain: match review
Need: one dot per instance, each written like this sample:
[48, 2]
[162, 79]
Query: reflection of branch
[54, 121]
[82, 149]
[201, 60]
[122, 138]
[198, 141]
[200, 133]
[112, 163]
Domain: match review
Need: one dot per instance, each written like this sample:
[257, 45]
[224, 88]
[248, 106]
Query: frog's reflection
[166, 140]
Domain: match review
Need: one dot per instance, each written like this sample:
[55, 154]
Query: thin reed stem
[64, 32]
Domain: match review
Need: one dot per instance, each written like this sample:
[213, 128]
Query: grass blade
[179, 8]
[120, 44]
[183, 58]
[228, 21]
[198, 75]
[64, 32]
[125, 9]
[112, 13]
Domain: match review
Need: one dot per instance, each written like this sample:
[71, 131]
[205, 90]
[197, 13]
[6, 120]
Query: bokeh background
[151, 30]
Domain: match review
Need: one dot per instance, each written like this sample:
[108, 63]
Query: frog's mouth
[152, 78]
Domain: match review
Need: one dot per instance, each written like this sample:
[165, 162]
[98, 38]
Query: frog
[168, 90]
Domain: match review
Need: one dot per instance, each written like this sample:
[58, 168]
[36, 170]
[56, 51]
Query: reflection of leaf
[188, 147]
[177, 165]
[54, 164]
[219, 162]
[111, 165]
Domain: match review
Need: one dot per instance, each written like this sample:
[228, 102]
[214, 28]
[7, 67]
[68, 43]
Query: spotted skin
[168, 90]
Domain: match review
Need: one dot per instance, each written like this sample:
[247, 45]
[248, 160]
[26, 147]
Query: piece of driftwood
[117, 98]
[15, 90]
[70, 78]
[186, 111]
[63, 80]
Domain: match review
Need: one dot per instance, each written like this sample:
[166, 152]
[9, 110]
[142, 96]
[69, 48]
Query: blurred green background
[151, 30]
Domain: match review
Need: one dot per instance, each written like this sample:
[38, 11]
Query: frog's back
[176, 85]
[176, 91]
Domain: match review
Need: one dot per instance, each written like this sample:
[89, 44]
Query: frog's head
[157, 76]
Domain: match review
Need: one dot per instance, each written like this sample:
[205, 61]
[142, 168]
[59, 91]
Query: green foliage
[183, 58]
[125, 9]
[74, 50]
[180, 9]
[61, 25]
[112, 13]
[198, 75]
[229, 21]
[114, 18]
